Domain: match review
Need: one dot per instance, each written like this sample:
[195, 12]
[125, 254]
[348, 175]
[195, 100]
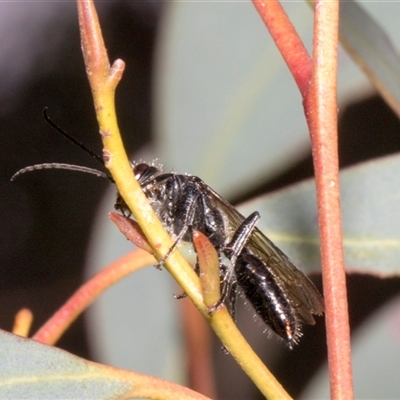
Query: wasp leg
[233, 250]
[180, 296]
[189, 212]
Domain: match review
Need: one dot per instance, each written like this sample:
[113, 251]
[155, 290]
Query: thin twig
[103, 81]
[321, 112]
[317, 82]
[287, 40]
[53, 329]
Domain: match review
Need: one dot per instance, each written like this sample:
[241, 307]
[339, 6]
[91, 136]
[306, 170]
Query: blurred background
[205, 92]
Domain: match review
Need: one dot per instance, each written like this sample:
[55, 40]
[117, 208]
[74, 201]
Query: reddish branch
[53, 329]
[316, 80]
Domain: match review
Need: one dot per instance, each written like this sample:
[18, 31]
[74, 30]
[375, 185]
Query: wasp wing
[299, 290]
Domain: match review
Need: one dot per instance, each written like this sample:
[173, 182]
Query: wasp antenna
[71, 138]
[68, 167]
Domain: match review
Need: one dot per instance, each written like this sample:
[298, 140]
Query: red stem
[317, 83]
[287, 40]
[53, 329]
[321, 112]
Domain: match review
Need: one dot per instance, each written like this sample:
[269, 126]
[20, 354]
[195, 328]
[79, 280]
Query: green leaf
[370, 207]
[32, 370]
[370, 47]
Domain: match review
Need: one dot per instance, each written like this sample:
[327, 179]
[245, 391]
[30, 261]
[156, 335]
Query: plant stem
[321, 112]
[287, 40]
[103, 81]
[22, 322]
[318, 88]
[53, 329]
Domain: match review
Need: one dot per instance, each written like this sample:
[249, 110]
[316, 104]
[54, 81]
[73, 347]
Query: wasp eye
[145, 172]
[140, 169]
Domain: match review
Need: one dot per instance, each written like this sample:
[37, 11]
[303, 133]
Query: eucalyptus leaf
[370, 212]
[31, 370]
[370, 47]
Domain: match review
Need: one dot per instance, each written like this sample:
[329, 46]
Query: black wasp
[280, 293]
